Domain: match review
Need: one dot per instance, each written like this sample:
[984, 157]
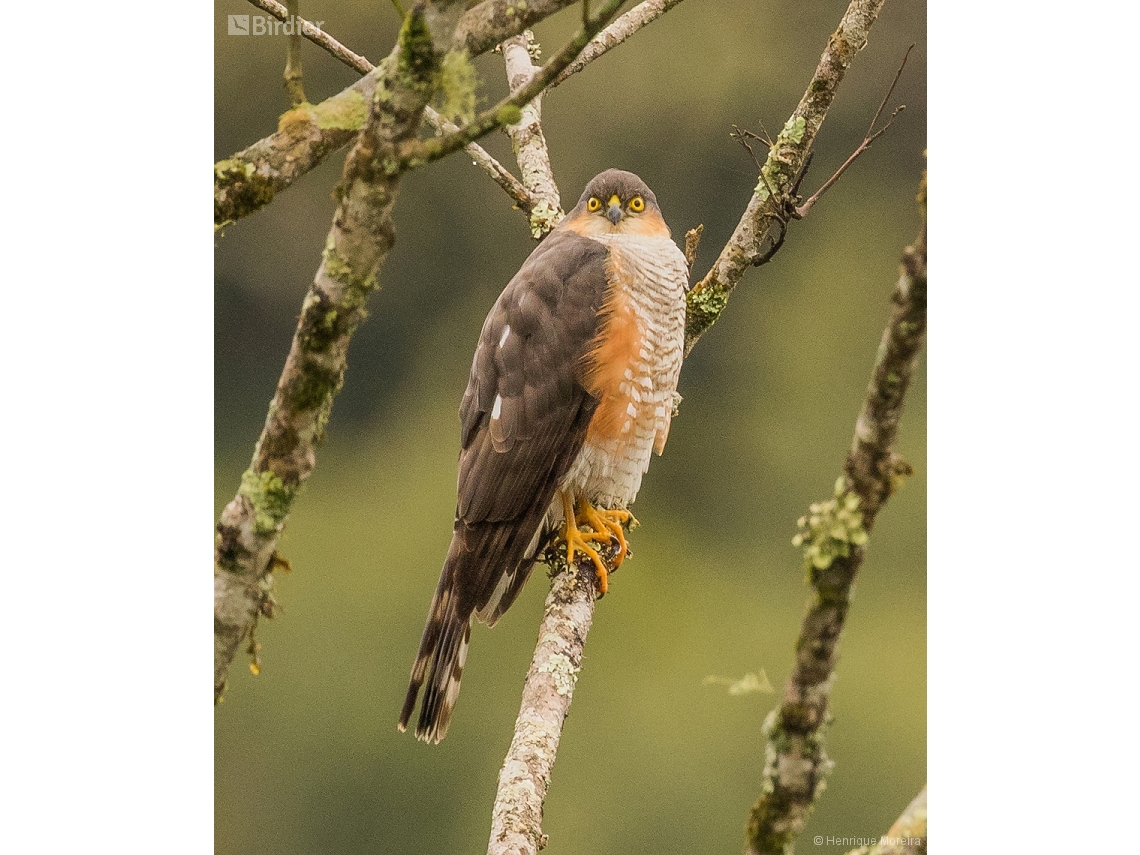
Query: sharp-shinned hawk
[571, 390]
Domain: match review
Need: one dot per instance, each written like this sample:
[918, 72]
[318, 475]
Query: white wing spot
[522, 298]
[631, 409]
[506, 332]
[497, 410]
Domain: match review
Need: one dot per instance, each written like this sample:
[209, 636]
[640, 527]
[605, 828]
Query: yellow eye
[637, 204]
[594, 204]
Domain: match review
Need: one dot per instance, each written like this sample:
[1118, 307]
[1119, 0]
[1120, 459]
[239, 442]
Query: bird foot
[607, 526]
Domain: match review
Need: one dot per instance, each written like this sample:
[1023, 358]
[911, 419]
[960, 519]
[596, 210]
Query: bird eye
[637, 204]
[594, 204]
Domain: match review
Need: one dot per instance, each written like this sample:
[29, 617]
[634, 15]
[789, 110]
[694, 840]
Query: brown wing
[525, 411]
[524, 418]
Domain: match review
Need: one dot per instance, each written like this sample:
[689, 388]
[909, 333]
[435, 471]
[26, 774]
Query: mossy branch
[773, 195]
[357, 246]
[509, 110]
[833, 537]
[248, 180]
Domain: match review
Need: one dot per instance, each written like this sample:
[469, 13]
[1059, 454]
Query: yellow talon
[606, 525]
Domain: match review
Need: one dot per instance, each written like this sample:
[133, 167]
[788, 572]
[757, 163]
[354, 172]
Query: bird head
[617, 202]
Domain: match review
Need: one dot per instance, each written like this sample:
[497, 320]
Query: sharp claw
[605, 526]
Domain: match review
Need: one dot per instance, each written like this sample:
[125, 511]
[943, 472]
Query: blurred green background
[308, 759]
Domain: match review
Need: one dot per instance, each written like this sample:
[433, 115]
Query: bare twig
[487, 24]
[524, 199]
[692, 243]
[769, 206]
[639, 16]
[833, 538]
[313, 32]
[868, 138]
[527, 139]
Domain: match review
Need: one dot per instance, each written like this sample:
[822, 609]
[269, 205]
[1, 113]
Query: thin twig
[523, 198]
[294, 82]
[692, 243]
[313, 32]
[621, 29]
[782, 170]
[833, 536]
[801, 211]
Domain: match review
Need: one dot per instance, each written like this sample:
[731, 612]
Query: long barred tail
[444, 645]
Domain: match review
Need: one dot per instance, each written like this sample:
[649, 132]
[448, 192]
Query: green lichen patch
[298, 121]
[458, 82]
[831, 529]
[543, 218]
[508, 114]
[322, 323]
[702, 307]
[417, 58]
[564, 674]
[793, 131]
[347, 112]
[313, 386]
[271, 499]
[239, 189]
[340, 270]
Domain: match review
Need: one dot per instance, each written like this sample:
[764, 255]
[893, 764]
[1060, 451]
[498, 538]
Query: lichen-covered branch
[639, 16]
[484, 26]
[358, 243]
[479, 156]
[768, 208]
[509, 110]
[516, 821]
[833, 536]
[527, 139]
[247, 181]
[907, 835]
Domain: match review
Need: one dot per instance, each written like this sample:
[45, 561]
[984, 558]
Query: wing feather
[523, 419]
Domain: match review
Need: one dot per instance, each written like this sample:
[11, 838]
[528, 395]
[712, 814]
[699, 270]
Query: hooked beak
[614, 211]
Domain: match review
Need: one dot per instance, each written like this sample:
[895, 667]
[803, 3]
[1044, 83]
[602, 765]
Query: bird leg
[606, 525]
